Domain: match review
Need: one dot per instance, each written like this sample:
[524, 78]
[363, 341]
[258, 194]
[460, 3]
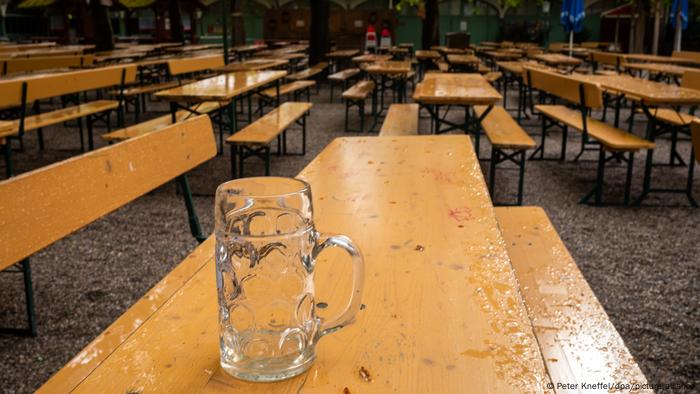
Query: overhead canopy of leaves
[401, 4]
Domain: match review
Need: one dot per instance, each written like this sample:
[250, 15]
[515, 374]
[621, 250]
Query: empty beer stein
[266, 250]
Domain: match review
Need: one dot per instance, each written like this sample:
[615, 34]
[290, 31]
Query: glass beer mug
[266, 250]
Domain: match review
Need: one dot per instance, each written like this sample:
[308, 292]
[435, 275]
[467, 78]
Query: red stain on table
[461, 214]
[440, 176]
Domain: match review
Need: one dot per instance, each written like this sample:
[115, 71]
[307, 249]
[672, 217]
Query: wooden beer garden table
[558, 60]
[650, 95]
[386, 74]
[242, 51]
[369, 58]
[456, 90]
[225, 88]
[647, 58]
[672, 71]
[442, 313]
[463, 63]
[255, 64]
[339, 57]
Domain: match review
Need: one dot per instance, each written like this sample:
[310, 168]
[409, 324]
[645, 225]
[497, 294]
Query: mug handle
[358, 273]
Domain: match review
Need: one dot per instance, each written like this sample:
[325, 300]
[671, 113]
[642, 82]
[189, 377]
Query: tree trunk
[237, 24]
[177, 30]
[318, 40]
[102, 25]
[640, 28]
[431, 31]
[657, 27]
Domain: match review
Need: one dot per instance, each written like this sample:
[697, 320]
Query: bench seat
[291, 87]
[401, 119]
[146, 89]
[671, 116]
[33, 122]
[359, 91]
[255, 139]
[502, 130]
[610, 137]
[309, 72]
[508, 143]
[344, 75]
[355, 96]
[160, 122]
[578, 341]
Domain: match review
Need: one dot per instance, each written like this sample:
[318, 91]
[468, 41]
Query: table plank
[222, 87]
[443, 309]
[650, 92]
[453, 88]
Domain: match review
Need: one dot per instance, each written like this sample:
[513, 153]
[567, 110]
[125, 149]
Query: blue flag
[572, 14]
[684, 13]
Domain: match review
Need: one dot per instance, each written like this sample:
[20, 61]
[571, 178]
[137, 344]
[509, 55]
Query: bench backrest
[41, 207]
[565, 87]
[59, 84]
[16, 65]
[691, 79]
[687, 55]
[194, 64]
[695, 136]
[606, 58]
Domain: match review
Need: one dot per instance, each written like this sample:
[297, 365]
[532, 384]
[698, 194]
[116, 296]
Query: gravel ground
[642, 262]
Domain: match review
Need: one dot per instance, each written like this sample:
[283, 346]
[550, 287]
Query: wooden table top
[247, 48]
[516, 67]
[388, 67]
[659, 68]
[644, 57]
[504, 54]
[343, 53]
[371, 58]
[7, 127]
[556, 59]
[452, 88]
[192, 48]
[650, 92]
[427, 54]
[463, 59]
[222, 87]
[253, 65]
[443, 310]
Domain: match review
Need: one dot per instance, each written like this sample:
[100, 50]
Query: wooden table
[369, 58]
[242, 51]
[223, 88]
[463, 62]
[650, 95]
[193, 48]
[557, 60]
[456, 90]
[646, 58]
[388, 74]
[424, 58]
[442, 309]
[340, 57]
[660, 69]
[253, 65]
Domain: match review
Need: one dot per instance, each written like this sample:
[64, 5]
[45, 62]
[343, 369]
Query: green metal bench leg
[628, 181]
[599, 179]
[7, 152]
[195, 227]
[234, 150]
[267, 161]
[82, 137]
[91, 143]
[521, 181]
[29, 302]
[303, 135]
[492, 172]
[689, 188]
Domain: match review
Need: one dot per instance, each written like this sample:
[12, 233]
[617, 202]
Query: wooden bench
[25, 94]
[401, 119]
[342, 78]
[606, 138]
[255, 139]
[294, 90]
[18, 65]
[163, 121]
[509, 142]
[612, 60]
[578, 341]
[356, 97]
[309, 72]
[50, 203]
